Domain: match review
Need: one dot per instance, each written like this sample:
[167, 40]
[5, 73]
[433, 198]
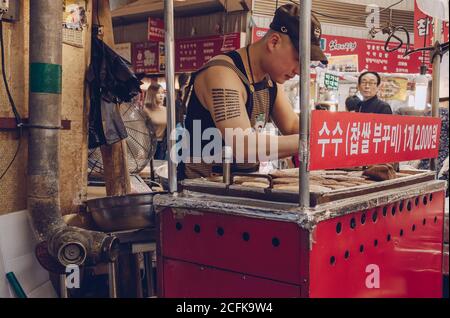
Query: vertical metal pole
[435, 83]
[137, 276]
[170, 82]
[45, 110]
[305, 61]
[112, 279]
[148, 265]
[62, 286]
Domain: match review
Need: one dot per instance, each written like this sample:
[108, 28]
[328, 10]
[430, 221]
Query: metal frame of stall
[323, 254]
[305, 74]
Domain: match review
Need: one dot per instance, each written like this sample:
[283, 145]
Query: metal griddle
[202, 185]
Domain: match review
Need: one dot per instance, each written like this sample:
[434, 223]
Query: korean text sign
[155, 30]
[424, 27]
[371, 53]
[341, 139]
[193, 53]
[145, 57]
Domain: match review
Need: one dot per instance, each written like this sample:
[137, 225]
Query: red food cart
[375, 240]
[383, 240]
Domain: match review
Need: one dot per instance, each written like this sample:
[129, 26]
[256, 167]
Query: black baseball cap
[286, 21]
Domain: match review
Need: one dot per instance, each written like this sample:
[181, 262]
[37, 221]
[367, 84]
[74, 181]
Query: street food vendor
[368, 86]
[243, 90]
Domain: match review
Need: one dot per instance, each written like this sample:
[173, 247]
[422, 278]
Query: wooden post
[115, 163]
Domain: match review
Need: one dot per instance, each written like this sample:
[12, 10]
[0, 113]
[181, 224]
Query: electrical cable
[8, 92]
[17, 117]
[391, 30]
[438, 49]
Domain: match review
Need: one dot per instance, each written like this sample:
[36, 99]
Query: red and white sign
[190, 54]
[193, 53]
[145, 57]
[371, 53]
[421, 29]
[155, 30]
[340, 140]
[258, 33]
[424, 26]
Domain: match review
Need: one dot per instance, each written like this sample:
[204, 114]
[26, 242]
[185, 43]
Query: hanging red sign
[191, 54]
[371, 55]
[341, 139]
[155, 30]
[145, 57]
[424, 27]
[362, 54]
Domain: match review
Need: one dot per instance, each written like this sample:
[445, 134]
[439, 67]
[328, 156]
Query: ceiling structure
[132, 11]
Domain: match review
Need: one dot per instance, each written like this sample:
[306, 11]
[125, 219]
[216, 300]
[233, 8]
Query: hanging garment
[111, 82]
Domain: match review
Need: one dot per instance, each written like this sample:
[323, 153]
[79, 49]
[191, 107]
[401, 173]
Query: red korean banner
[424, 26]
[371, 55]
[191, 54]
[342, 139]
[155, 30]
[145, 57]
[362, 54]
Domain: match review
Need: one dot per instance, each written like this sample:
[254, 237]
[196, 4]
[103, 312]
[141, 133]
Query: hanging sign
[145, 57]
[191, 54]
[155, 30]
[342, 139]
[331, 81]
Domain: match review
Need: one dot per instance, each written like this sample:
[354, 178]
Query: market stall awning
[127, 8]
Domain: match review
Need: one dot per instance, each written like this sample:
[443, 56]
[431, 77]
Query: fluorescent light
[421, 92]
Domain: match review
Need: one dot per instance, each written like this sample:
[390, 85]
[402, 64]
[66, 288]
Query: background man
[368, 86]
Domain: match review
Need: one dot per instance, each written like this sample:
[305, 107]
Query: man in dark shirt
[368, 85]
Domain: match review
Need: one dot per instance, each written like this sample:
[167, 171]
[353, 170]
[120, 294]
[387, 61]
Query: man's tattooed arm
[226, 104]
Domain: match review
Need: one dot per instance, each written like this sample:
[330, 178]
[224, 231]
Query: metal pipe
[227, 160]
[112, 279]
[305, 61]
[435, 83]
[148, 265]
[64, 293]
[69, 245]
[170, 85]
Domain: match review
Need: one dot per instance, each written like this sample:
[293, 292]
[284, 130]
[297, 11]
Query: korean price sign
[331, 81]
[193, 53]
[341, 140]
[155, 31]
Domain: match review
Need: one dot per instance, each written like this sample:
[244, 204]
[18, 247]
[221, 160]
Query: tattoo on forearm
[226, 104]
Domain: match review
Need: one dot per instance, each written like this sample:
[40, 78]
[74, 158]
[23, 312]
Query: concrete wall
[13, 185]
[73, 183]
